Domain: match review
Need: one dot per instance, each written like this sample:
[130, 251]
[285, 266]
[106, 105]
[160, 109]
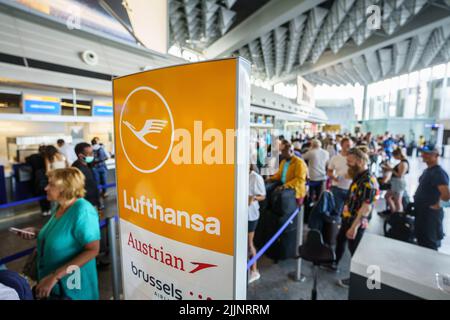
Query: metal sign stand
[297, 274]
[113, 256]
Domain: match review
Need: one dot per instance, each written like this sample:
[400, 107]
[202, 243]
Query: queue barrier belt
[28, 251]
[273, 239]
[25, 201]
[104, 222]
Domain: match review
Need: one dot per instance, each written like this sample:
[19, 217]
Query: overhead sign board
[41, 105]
[102, 109]
[181, 137]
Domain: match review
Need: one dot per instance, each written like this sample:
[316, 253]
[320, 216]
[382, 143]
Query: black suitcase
[399, 226]
[285, 246]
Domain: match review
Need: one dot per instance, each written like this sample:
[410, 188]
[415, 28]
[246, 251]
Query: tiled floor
[274, 283]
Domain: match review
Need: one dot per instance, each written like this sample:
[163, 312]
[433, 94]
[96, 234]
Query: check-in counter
[406, 271]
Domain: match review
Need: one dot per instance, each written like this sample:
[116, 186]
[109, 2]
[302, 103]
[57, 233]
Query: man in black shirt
[433, 187]
[85, 155]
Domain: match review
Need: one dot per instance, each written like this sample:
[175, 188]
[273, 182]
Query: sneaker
[46, 213]
[344, 283]
[254, 275]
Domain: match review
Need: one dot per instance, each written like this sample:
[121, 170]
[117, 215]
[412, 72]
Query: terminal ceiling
[327, 42]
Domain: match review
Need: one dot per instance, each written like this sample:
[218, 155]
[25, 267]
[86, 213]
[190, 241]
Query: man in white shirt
[257, 192]
[317, 159]
[67, 151]
[338, 173]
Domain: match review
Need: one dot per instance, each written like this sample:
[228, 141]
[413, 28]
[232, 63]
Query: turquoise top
[284, 172]
[64, 238]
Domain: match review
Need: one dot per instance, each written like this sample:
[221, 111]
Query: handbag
[30, 267]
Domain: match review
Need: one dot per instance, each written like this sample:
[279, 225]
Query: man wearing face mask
[85, 154]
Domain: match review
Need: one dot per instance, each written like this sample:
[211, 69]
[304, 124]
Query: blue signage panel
[104, 111]
[42, 107]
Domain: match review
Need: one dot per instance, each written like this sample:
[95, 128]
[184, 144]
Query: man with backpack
[433, 188]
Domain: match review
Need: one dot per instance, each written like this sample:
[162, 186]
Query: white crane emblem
[150, 126]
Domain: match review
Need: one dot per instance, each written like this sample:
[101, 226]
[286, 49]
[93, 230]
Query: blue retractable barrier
[23, 181]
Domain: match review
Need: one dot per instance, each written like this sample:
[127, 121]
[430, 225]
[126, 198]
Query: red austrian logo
[166, 258]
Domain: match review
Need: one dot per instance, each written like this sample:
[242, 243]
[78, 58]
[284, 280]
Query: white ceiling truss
[197, 23]
[329, 43]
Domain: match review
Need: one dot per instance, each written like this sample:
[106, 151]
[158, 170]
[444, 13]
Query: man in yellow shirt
[292, 172]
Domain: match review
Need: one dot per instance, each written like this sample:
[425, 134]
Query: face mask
[89, 159]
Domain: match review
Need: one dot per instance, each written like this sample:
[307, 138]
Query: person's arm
[445, 192]
[277, 175]
[259, 190]
[442, 182]
[102, 154]
[330, 174]
[362, 213]
[47, 165]
[369, 196]
[45, 286]
[27, 236]
[306, 155]
[331, 170]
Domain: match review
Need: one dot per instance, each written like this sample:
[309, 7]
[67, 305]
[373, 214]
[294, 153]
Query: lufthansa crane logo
[146, 129]
[150, 126]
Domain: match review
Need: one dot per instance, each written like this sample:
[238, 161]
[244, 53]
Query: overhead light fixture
[79, 106]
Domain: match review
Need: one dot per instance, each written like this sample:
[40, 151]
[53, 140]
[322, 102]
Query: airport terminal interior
[335, 181]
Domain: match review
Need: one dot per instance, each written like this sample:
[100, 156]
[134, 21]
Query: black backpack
[399, 226]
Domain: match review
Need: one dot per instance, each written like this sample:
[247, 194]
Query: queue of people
[344, 166]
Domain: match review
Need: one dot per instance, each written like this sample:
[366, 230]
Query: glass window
[411, 103]
[438, 72]
[435, 98]
[403, 81]
[413, 79]
[401, 101]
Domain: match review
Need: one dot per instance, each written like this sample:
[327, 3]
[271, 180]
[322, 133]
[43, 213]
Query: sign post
[182, 149]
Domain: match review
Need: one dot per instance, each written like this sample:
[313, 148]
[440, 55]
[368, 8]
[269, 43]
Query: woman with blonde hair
[69, 241]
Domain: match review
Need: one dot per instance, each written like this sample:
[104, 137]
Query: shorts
[398, 186]
[252, 225]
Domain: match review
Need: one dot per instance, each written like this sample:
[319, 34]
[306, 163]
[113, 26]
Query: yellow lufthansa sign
[177, 182]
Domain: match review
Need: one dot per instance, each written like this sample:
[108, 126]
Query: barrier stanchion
[297, 275]
[114, 257]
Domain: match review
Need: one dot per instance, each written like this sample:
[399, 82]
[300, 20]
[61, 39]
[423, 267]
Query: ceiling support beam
[272, 15]
[427, 20]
